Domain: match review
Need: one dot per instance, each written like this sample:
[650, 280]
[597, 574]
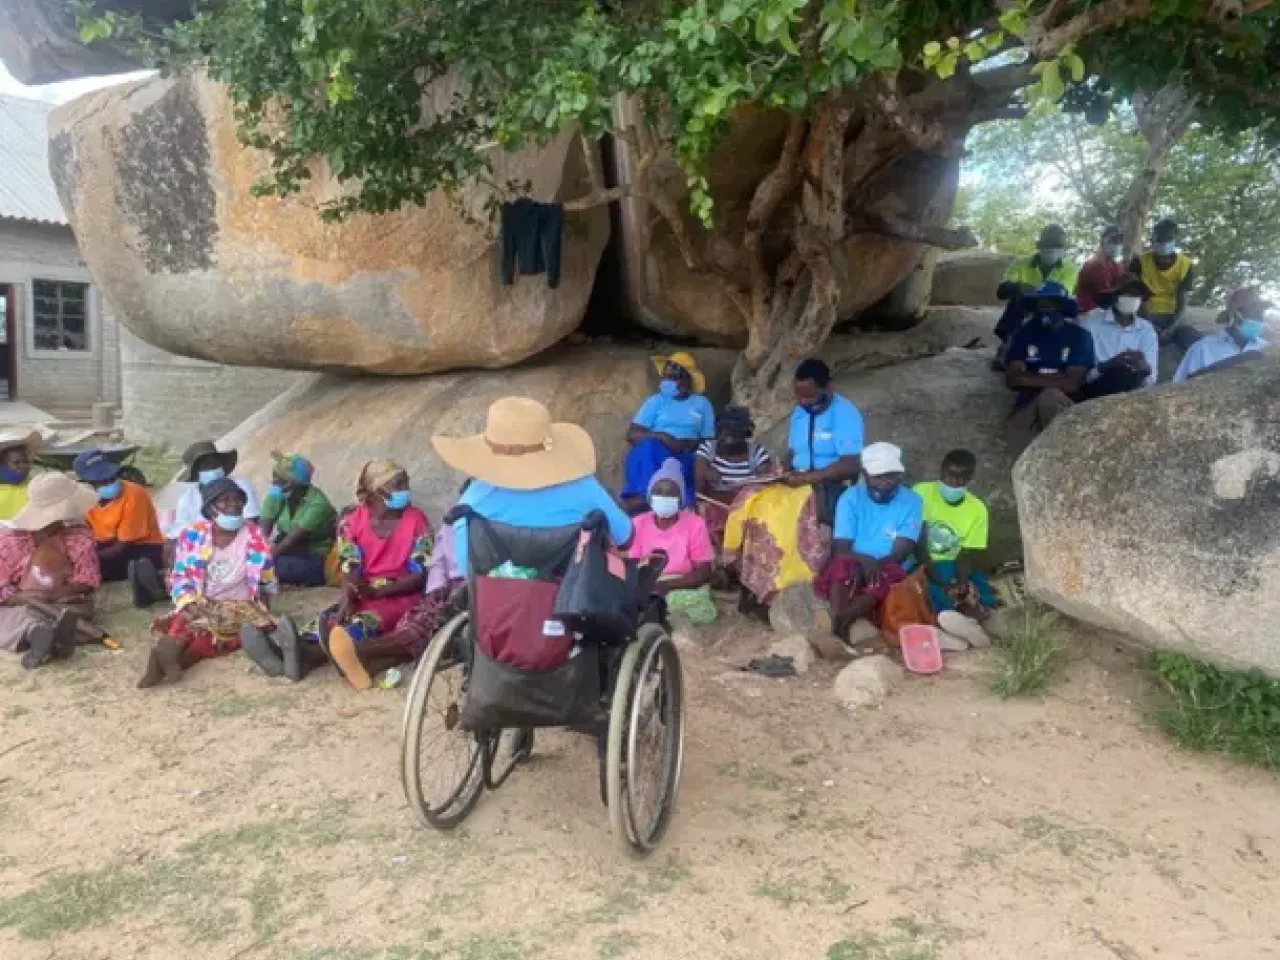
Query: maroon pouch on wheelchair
[514, 624]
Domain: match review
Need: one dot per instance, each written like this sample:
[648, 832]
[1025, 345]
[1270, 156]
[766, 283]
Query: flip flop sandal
[342, 651]
[772, 666]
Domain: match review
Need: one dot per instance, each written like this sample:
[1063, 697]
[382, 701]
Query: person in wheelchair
[682, 535]
[529, 472]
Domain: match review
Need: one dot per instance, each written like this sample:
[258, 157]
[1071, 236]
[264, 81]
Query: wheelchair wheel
[441, 765]
[646, 740]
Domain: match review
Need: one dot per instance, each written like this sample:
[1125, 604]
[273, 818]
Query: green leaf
[932, 48]
[947, 65]
[1075, 65]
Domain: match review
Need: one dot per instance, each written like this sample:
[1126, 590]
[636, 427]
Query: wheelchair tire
[462, 785]
[648, 698]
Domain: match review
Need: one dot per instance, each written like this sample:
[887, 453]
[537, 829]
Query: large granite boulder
[158, 189]
[340, 422]
[1158, 515]
[968, 279]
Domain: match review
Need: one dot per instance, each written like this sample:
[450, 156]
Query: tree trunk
[1163, 117]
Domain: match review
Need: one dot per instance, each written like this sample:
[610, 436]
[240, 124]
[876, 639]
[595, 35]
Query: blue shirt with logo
[817, 440]
[1046, 350]
[689, 419]
[874, 526]
[558, 506]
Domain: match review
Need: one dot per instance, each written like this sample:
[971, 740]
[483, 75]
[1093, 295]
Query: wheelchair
[469, 723]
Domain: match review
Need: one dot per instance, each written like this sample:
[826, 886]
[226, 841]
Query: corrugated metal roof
[26, 188]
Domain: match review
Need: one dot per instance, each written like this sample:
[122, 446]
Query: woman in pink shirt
[682, 536]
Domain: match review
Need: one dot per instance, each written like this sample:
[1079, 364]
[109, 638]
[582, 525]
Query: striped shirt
[734, 473]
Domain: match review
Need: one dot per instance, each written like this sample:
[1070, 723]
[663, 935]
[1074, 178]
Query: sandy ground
[235, 817]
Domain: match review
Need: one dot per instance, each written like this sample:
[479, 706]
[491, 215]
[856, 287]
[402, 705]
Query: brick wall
[60, 382]
[175, 401]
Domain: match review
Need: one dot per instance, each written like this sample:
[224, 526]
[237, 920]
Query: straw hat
[521, 449]
[687, 361]
[54, 498]
[205, 448]
[21, 437]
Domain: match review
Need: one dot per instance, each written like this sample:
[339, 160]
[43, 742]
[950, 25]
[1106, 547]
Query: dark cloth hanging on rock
[531, 238]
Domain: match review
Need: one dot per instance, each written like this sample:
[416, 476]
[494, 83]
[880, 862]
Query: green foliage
[402, 98]
[1236, 712]
[1031, 655]
[1222, 187]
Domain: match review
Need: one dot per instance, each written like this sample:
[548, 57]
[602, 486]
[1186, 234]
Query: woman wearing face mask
[205, 463]
[682, 535]
[17, 448]
[671, 423]
[727, 466]
[952, 545]
[384, 550]
[130, 545]
[1126, 346]
[222, 581]
[299, 521]
[1240, 341]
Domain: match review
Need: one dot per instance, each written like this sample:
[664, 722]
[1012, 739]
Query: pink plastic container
[920, 650]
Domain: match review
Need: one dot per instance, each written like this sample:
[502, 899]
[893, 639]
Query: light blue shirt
[1212, 349]
[874, 526]
[1110, 339]
[689, 419]
[557, 506]
[836, 431]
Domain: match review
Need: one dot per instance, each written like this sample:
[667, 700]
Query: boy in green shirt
[299, 521]
[955, 538]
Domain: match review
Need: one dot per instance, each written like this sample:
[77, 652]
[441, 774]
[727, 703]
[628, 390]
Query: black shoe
[286, 639]
[261, 650]
[749, 606]
[39, 647]
[64, 635]
[144, 579]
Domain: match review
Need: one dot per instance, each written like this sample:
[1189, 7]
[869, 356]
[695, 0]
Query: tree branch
[1268, 99]
[1044, 39]
[900, 228]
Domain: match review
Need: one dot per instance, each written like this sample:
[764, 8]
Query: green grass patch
[235, 706]
[906, 939]
[1031, 655]
[615, 945]
[1230, 711]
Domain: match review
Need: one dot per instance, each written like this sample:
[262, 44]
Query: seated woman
[205, 463]
[671, 423]
[682, 535]
[222, 581]
[384, 548]
[877, 527]
[434, 608]
[124, 524]
[48, 572]
[779, 537]
[727, 465]
[18, 448]
[298, 520]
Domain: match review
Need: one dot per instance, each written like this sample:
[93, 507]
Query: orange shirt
[129, 518]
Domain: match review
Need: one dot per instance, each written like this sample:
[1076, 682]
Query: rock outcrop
[341, 422]
[968, 279]
[1158, 515]
[158, 189]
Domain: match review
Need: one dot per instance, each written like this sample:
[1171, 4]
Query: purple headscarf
[670, 470]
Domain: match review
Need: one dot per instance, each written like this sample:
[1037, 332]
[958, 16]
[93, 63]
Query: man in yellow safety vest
[1168, 274]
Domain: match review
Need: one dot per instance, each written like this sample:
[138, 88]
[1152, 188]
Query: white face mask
[664, 507]
[1128, 305]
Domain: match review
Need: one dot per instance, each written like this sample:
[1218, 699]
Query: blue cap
[94, 468]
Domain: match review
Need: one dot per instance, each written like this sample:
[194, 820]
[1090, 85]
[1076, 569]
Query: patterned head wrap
[376, 475]
[292, 466]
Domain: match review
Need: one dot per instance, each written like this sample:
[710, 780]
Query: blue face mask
[881, 494]
[12, 477]
[228, 522]
[1251, 329]
[398, 500]
[669, 389]
[110, 491]
[1166, 248]
[275, 490]
[1052, 318]
[952, 495]
[208, 476]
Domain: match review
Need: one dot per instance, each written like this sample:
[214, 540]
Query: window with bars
[60, 318]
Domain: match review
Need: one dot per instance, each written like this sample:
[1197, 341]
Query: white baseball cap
[881, 458]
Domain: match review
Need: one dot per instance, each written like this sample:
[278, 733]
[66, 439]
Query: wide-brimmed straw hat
[21, 437]
[521, 449]
[688, 363]
[54, 498]
[205, 448]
